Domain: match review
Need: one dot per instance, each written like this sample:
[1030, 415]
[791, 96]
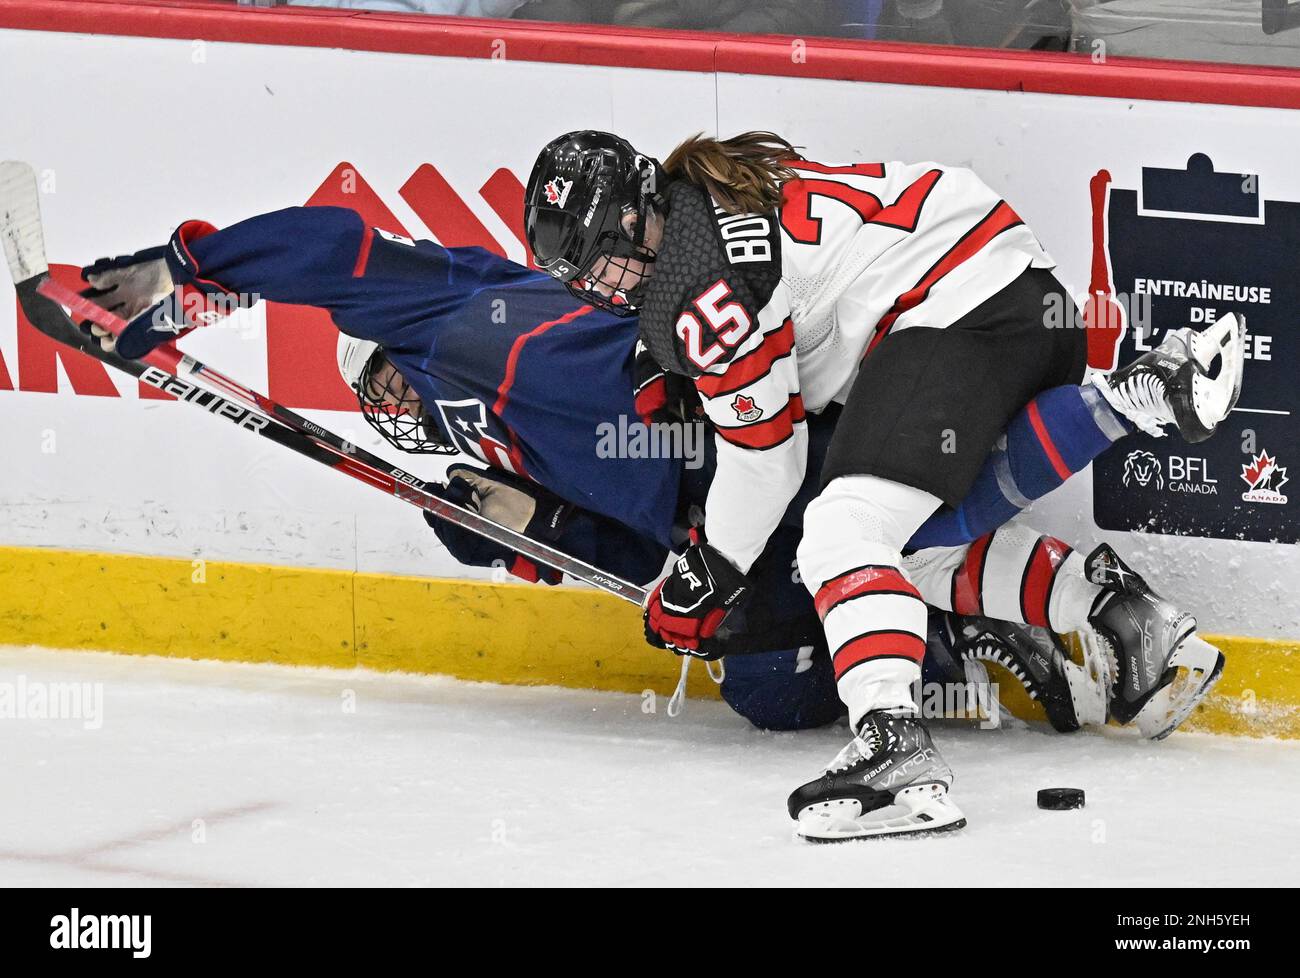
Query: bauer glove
[686, 608]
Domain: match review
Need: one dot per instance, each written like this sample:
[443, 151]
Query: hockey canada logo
[1265, 478]
[557, 191]
[746, 409]
[1143, 468]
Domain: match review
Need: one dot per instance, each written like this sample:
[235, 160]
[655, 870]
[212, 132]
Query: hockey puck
[1060, 799]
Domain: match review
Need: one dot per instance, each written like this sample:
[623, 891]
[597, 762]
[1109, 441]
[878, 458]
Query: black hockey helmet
[583, 186]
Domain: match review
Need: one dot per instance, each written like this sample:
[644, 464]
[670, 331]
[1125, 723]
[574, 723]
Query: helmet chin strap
[638, 225]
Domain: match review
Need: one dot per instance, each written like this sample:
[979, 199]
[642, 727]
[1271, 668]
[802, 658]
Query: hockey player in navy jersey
[460, 351]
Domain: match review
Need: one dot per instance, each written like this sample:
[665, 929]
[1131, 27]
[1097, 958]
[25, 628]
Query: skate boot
[1172, 385]
[1162, 668]
[1071, 695]
[889, 780]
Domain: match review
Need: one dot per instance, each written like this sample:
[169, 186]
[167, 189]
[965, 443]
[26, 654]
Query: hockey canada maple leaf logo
[1265, 478]
[557, 191]
[746, 409]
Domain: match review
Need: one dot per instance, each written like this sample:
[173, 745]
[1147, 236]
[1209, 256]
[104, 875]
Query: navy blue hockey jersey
[516, 371]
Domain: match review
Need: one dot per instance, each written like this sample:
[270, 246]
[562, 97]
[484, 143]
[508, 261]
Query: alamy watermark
[117, 932]
[191, 307]
[959, 701]
[26, 699]
[1099, 310]
[636, 439]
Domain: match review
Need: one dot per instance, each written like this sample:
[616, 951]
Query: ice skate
[1172, 384]
[1071, 695]
[889, 780]
[1162, 668]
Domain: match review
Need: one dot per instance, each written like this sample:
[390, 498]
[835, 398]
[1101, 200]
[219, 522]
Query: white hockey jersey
[773, 314]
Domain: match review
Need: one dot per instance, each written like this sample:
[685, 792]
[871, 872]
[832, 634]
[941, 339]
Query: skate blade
[1214, 399]
[1199, 666]
[919, 809]
[1089, 694]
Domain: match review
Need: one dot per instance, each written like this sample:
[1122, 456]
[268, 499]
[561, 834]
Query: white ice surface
[434, 781]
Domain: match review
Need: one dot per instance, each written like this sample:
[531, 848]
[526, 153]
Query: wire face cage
[392, 407]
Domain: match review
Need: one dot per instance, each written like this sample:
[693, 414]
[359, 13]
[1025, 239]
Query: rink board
[505, 633]
[510, 633]
[428, 127]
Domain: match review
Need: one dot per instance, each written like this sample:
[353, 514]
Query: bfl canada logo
[1265, 478]
[1143, 469]
[131, 932]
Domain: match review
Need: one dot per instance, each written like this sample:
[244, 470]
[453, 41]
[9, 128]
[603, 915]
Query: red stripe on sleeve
[967, 598]
[1045, 439]
[192, 231]
[769, 433]
[753, 366]
[363, 253]
[877, 645]
[864, 580]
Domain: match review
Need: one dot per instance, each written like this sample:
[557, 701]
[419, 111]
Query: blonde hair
[743, 174]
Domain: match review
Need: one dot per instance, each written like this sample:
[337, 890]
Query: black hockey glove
[686, 608]
[509, 500]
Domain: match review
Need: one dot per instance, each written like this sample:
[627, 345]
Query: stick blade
[20, 221]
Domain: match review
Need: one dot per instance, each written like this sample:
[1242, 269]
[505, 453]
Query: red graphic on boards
[1103, 315]
[40, 357]
[300, 340]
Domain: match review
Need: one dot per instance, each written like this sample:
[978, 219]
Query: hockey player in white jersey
[911, 294]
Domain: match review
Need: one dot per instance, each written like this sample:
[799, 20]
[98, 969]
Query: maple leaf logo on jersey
[746, 409]
[557, 191]
[1265, 478]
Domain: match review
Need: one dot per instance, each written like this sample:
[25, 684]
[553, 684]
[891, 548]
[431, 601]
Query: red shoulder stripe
[363, 252]
[512, 359]
[999, 219]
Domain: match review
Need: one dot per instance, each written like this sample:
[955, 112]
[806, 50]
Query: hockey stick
[41, 298]
[162, 369]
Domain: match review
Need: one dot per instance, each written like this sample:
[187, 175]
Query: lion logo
[1144, 469]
